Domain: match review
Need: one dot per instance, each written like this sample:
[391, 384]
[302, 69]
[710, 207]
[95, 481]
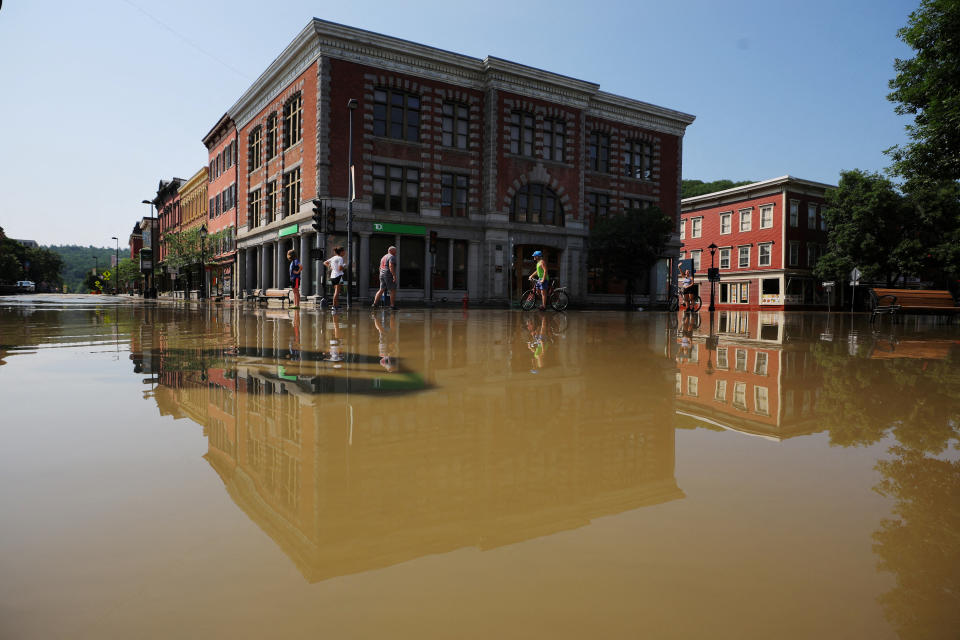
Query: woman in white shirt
[335, 264]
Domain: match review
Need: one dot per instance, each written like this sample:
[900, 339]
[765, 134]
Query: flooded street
[179, 470]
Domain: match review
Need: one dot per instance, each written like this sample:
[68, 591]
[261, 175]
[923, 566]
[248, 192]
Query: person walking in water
[541, 279]
[295, 271]
[335, 264]
[388, 278]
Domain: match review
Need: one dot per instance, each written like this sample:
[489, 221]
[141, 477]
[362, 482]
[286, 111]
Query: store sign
[405, 229]
[771, 298]
[289, 231]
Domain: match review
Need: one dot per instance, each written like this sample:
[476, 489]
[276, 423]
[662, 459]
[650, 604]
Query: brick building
[167, 204]
[192, 203]
[769, 236]
[222, 177]
[498, 159]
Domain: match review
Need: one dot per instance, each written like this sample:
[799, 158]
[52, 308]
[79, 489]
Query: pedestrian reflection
[387, 338]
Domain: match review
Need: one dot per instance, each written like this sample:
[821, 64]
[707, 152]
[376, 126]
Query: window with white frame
[764, 252]
[725, 219]
[696, 259]
[761, 400]
[745, 219]
[744, 257]
[720, 393]
[725, 258]
[679, 377]
[760, 366]
[722, 358]
[740, 395]
[693, 384]
[794, 254]
[683, 229]
[794, 213]
[741, 364]
[766, 216]
[695, 227]
[811, 216]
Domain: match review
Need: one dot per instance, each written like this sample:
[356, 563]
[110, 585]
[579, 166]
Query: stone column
[363, 267]
[264, 266]
[307, 263]
[279, 280]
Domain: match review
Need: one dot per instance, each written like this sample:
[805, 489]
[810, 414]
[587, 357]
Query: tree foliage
[927, 87]
[627, 245]
[78, 261]
[19, 262]
[691, 188]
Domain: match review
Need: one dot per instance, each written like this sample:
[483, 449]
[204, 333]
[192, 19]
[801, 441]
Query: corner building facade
[490, 158]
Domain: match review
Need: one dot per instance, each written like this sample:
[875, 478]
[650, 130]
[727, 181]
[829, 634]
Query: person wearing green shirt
[541, 279]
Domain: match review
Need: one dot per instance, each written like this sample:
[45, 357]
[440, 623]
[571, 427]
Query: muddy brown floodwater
[185, 471]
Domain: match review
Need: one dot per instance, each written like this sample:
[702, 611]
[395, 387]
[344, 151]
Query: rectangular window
[823, 220]
[410, 262]
[695, 227]
[638, 160]
[229, 156]
[760, 366]
[453, 190]
[396, 188]
[396, 114]
[765, 251]
[696, 259]
[744, 257]
[683, 229]
[292, 121]
[693, 386]
[745, 219]
[722, 359]
[253, 209]
[741, 362]
[291, 192]
[212, 209]
[459, 264]
[598, 152]
[812, 252]
[599, 205]
[740, 395]
[216, 204]
[521, 133]
[766, 216]
[554, 139]
[456, 125]
[794, 254]
[761, 400]
[725, 222]
[271, 135]
[253, 149]
[271, 212]
[725, 258]
[638, 204]
[720, 393]
[794, 213]
[441, 265]
[811, 216]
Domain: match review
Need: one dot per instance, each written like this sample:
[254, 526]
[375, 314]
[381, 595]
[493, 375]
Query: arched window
[537, 204]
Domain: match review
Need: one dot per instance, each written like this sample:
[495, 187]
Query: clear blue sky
[100, 100]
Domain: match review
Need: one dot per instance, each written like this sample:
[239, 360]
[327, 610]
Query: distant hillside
[691, 188]
[78, 261]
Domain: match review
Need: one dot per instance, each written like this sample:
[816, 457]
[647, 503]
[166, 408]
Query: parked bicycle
[677, 301]
[557, 297]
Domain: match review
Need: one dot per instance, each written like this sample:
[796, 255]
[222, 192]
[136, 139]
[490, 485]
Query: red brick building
[498, 159]
[223, 178]
[167, 203]
[769, 236]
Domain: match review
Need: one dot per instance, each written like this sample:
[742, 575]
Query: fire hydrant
[465, 300]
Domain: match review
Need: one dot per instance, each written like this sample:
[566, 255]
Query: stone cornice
[755, 190]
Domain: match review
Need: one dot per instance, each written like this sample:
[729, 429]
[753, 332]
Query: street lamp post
[713, 251]
[351, 107]
[116, 267]
[153, 258]
[203, 263]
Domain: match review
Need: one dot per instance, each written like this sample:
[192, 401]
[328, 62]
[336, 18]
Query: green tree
[872, 227]
[128, 274]
[936, 210]
[691, 188]
[927, 87]
[626, 246]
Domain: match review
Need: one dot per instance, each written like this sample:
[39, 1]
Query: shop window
[460, 264]
[410, 257]
[441, 265]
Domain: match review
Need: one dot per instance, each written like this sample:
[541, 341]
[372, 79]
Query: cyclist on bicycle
[541, 279]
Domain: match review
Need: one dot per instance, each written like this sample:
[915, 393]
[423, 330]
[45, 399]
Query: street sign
[713, 274]
[408, 229]
[288, 231]
[829, 284]
[855, 276]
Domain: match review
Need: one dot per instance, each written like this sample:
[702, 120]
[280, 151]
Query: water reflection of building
[752, 380]
[486, 455]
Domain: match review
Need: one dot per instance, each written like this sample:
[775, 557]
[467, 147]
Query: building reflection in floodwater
[353, 453]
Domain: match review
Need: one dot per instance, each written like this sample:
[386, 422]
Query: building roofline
[225, 120]
[755, 186]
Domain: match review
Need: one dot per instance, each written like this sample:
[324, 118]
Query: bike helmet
[537, 254]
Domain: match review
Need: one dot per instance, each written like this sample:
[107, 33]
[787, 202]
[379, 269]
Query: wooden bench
[891, 301]
[264, 296]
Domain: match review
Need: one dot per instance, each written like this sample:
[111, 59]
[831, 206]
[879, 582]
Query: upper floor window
[823, 220]
[695, 255]
[725, 258]
[766, 216]
[456, 125]
[695, 227]
[554, 139]
[794, 254]
[745, 222]
[453, 192]
[291, 192]
[228, 156]
[271, 211]
[744, 258]
[725, 224]
[764, 254]
[292, 121]
[253, 148]
[271, 135]
[794, 213]
[537, 204]
[638, 159]
[638, 204]
[599, 204]
[683, 229]
[598, 152]
[396, 114]
[811, 216]
[521, 133]
[396, 188]
[253, 209]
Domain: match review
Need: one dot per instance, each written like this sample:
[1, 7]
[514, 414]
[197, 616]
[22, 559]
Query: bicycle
[557, 297]
[676, 300]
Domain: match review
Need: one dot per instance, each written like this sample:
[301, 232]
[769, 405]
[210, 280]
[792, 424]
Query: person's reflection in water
[686, 336]
[537, 343]
[334, 355]
[388, 342]
[294, 344]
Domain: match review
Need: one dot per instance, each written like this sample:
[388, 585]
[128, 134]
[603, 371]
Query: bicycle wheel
[528, 300]
[673, 303]
[559, 300]
[697, 303]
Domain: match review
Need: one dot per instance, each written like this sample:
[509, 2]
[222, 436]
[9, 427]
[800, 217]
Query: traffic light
[433, 242]
[331, 220]
[318, 216]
